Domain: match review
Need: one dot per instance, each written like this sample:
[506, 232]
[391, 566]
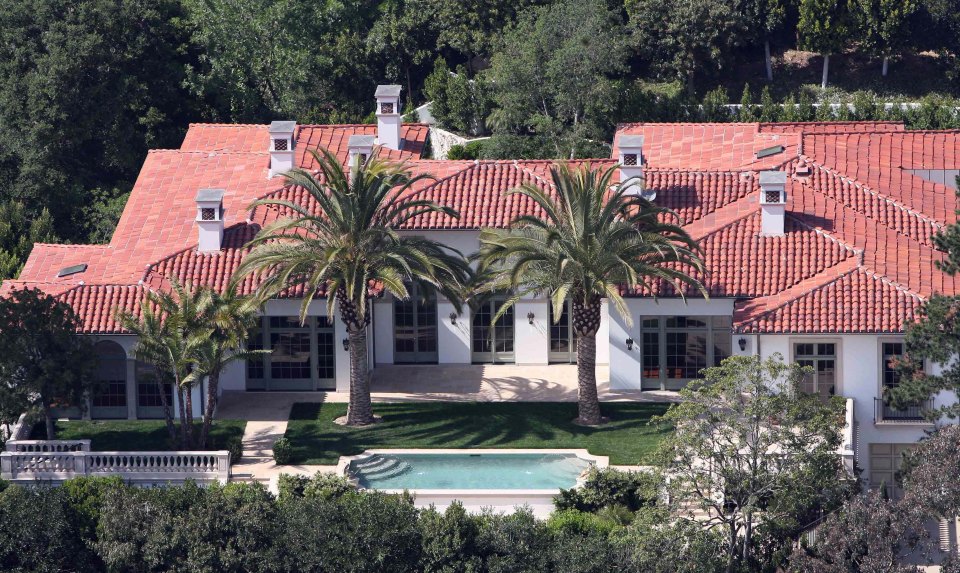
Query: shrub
[328, 486]
[514, 542]
[85, 496]
[609, 487]
[574, 521]
[283, 451]
[449, 540]
[471, 150]
[714, 106]
[39, 532]
[235, 447]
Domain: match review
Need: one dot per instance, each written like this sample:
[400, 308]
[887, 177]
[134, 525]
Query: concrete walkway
[267, 412]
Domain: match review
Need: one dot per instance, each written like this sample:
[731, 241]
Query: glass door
[493, 343]
[326, 351]
[563, 338]
[415, 329]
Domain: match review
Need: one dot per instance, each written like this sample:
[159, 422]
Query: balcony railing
[913, 413]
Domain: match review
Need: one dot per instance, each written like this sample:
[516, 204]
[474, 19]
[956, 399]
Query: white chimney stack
[631, 160]
[388, 116]
[210, 220]
[281, 146]
[773, 202]
[359, 148]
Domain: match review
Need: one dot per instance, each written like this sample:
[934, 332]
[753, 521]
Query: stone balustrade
[47, 463]
[48, 446]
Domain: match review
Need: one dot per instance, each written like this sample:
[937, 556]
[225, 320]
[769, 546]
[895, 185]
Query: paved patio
[267, 412]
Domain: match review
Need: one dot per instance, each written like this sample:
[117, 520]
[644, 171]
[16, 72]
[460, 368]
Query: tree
[883, 25]
[823, 28]
[344, 243]
[230, 318]
[587, 244]
[403, 36]
[170, 332]
[684, 38]
[750, 449]
[458, 102]
[764, 18]
[472, 27]
[19, 230]
[552, 73]
[44, 362]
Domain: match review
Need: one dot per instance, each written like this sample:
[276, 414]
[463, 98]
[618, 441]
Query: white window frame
[838, 345]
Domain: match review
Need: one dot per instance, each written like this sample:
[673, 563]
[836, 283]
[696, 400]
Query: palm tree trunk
[167, 412]
[183, 417]
[213, 383]
[48, 421]
[586, 321]
[826, 71]
[360, 409]
[188, 395]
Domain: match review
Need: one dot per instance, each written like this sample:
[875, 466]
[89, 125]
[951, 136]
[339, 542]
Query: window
[563, 337]
[891, 352]
[208, 214]
[110, 398]
[822, 357]
[386, 107]
[301, 357]
[771, 197]
[415, 328]
[281, 144]
[255, 364]
[492, 342]
[629, 158]
[675, 349]
[886, 461]
[361, 158]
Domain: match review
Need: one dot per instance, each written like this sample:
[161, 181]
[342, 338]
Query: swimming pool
[470, 469]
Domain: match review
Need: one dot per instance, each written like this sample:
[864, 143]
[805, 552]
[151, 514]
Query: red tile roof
[856, 256]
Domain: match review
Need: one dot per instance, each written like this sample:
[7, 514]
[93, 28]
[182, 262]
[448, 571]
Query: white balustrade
[145, 467]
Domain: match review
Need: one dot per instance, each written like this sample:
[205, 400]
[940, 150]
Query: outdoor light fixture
[530, 317]
[346, 344]
[743, 344]
[453, 318]
[629, 344]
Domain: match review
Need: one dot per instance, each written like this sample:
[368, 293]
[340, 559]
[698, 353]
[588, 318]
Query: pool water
[468, 471]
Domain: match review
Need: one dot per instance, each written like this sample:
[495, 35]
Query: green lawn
[627, 438]
[129, 435]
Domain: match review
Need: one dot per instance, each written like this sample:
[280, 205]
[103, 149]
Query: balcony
[913, 414]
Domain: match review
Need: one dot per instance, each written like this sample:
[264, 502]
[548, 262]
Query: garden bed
[136, 435]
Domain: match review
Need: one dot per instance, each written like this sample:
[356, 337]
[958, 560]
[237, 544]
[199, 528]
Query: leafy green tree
[553, 73]
[404, 37]
[353, 246]
[19, 230]
[458, 103]
[86, 87]
[682, 39]
[471, 27]
[449, 540]
[746, 113]
[719, 456]
[586, 245]
[769, 110]
[44, 362]
[763, 19]
[281, 58]
[714, 107]
[102, 214]
[171, 329]
[883, 26]
[823, 28]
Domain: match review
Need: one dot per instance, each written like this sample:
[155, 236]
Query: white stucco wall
[625, 365]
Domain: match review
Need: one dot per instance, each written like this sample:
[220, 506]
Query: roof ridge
[870, 191]
[73, 245]
[799, 290]
[530, 173]
[207, 152]
[267, 125]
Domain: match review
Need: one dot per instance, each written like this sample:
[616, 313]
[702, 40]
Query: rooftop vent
[768, 151]
[281, 146]
[388, 116]
[359, 148]
[72, 270]
[209, 220]
[630, 148]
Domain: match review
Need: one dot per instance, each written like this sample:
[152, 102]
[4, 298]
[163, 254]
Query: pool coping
[599, 462]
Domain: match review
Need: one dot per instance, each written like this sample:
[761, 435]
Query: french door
[301, 357]
[415, 329]
[493, 343]
[563, 338]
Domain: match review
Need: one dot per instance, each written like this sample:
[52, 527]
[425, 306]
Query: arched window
[110, 396]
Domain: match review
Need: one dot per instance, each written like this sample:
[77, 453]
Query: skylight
[768, 151]
[72, 270]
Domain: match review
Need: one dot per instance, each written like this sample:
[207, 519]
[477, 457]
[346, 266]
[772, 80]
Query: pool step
[382, 468]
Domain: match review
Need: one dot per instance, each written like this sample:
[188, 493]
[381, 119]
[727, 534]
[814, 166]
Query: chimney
[281, 146]
[210, 220]
[359, 148]
[631, 160]
[773, 202]
[388, 116]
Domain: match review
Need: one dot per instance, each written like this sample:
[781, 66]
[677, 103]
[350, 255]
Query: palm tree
[169, 333]
[590, 241]
[230, 318]
[349, 245]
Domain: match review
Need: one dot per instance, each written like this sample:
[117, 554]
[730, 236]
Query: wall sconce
[530, 317]
[629, 344]
[346, 344]
[453, 318]
[742, 343]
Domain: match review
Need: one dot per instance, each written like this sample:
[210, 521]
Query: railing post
[80, 462]
[6, 466]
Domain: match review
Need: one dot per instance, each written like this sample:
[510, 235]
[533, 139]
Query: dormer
[630, 148]
[281, 146]
[388, 116]
[210, 220]
[773, 203]
[359, 149]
